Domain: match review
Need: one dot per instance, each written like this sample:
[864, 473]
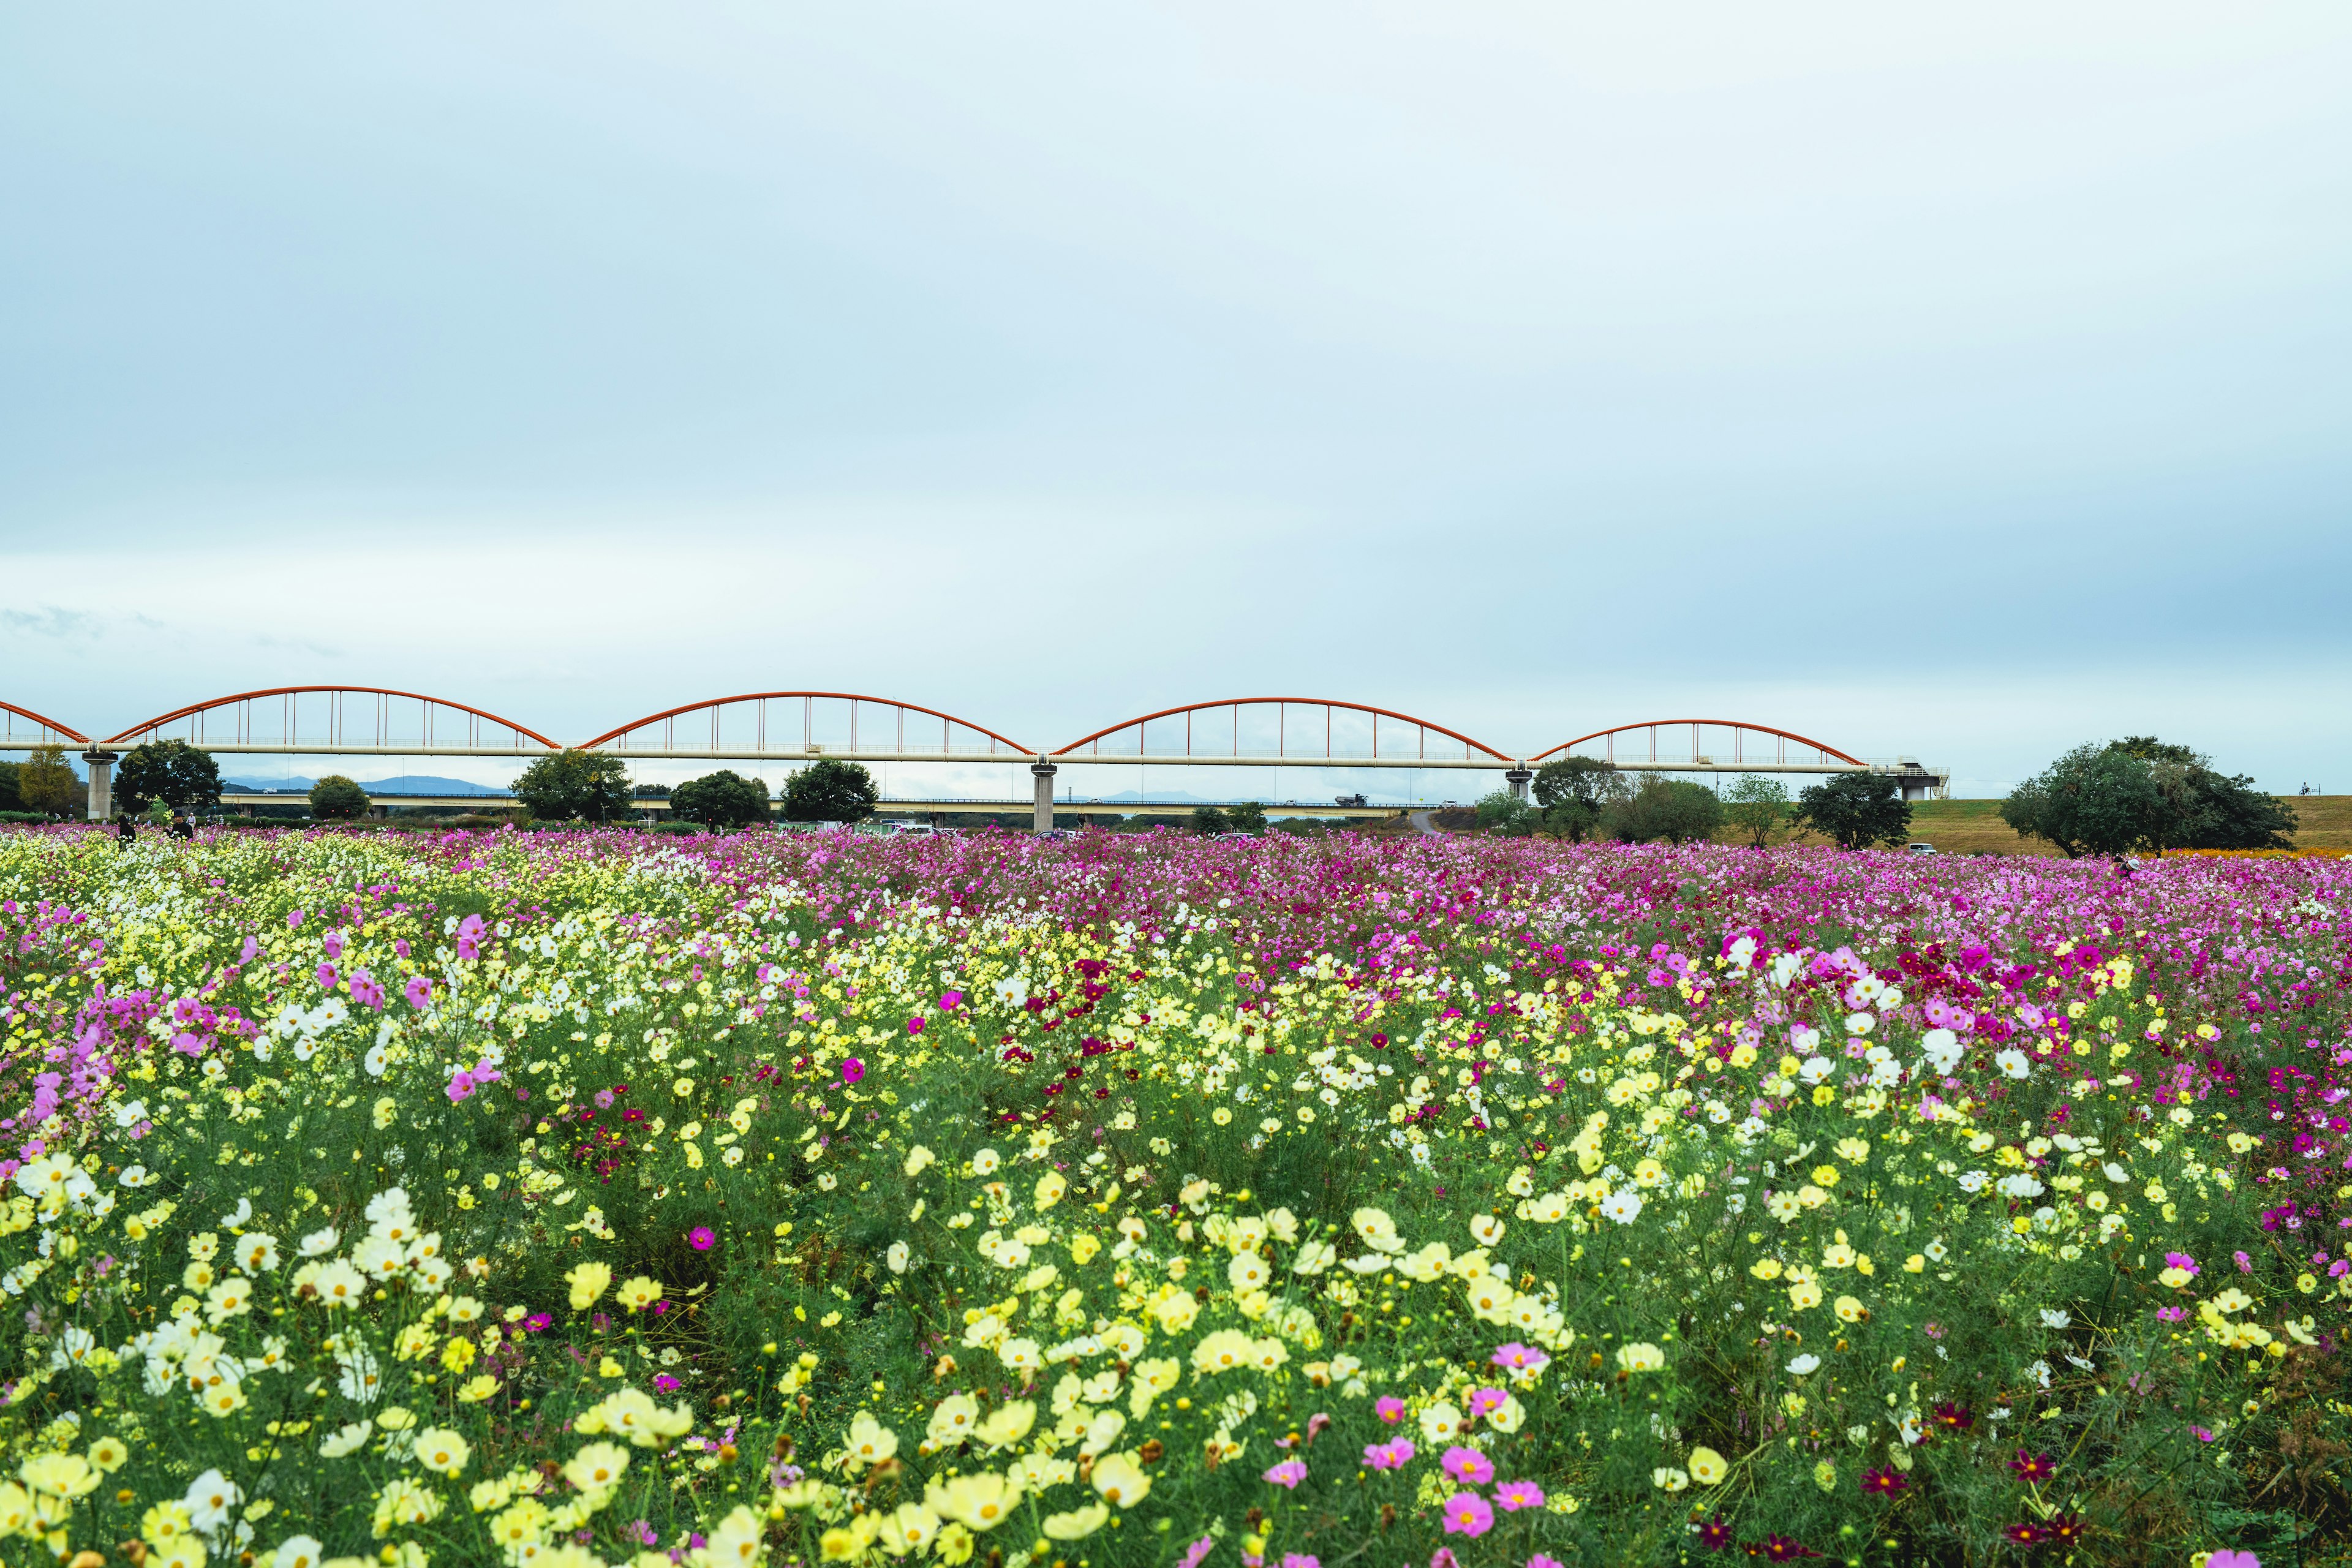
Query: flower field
[572, 1199]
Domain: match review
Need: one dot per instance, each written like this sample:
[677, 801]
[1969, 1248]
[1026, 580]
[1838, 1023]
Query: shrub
[335, 798]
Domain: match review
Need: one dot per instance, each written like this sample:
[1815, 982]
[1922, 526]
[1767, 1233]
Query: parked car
[1921, 849]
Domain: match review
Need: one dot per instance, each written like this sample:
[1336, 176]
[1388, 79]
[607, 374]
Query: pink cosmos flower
[951, 1000]
[1468, 1466]
[1516, 1357]
[1196, 1553]
[293, 920]
[244, 955]
[1486, 1401]
[852, 1071]
[1393, 1455]
[1466, 1513]
[468, 1079]
[1540, 1560]
[2182, 1260]
[2227, 1558]
[1444, 1558]
[1288, 1473]
[1391, 1409]
[326, 976]
[1300, 1559]
[419, 992]
[333, 942]
[1513, 1495]
[700, 1238]
[365, 990]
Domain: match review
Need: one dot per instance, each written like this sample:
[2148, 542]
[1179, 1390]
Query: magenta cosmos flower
[1466, 1513]
[701, 1239]
[1513, 1495]
[1288, 1473]
[852, 1071]
[1391, 1409]
[1468, 1466]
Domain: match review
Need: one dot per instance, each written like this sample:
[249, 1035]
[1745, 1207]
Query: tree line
[1580, 798]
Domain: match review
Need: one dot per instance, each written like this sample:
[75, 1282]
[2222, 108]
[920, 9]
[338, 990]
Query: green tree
[2205, 809]
[830, 790]
[172, 772]
[1506, 814]
[723, 799]
[1211, 819]
[1574, 791]
[9, 799]
[2094, 800]
[1672, 809]
[46, 783]
[337, 799]
[1855, 810]
[1249, 817]
[592, 786]
[2143, 794]
[1758, 808]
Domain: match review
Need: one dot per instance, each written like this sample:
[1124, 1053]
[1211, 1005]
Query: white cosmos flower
[1624, 1207]
[319, 1242]
[2013, 1063]
[2022, 1184]
[1861, 1023]
[373, 1061]
[1973, 1180]
[1805, 1364]
[1943, 1049]
[2056, 1319]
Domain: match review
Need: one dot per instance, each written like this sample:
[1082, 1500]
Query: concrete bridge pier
[101, 782]
[1519, 776]
[1042, 817]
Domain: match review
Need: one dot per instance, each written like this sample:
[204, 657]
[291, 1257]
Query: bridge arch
[792, 724]
[336, 719]
[44, 732]
[1705, 741]
[1302, 728]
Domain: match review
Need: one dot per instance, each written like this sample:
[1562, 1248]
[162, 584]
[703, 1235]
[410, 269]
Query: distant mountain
[407, 783]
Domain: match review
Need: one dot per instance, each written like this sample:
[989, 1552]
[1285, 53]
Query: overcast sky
[1963, 382]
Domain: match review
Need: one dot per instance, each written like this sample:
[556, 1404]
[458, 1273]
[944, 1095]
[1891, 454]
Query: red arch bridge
[798, 726]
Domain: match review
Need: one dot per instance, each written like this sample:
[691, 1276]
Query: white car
[1921, 849]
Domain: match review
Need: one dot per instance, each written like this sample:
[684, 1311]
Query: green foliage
[830, 790]
[46, 783]
[1675, 810]
[1211, 819]
[723, 799]
[1855, 810]
[1758, 808]
[1574, 791]
[9, 799]
[172, 772]
[591, 787]
[1249, 817]
[1505, 813]
[2205, 809]
[336, 798]
[2141, 792]
[2094, 800]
